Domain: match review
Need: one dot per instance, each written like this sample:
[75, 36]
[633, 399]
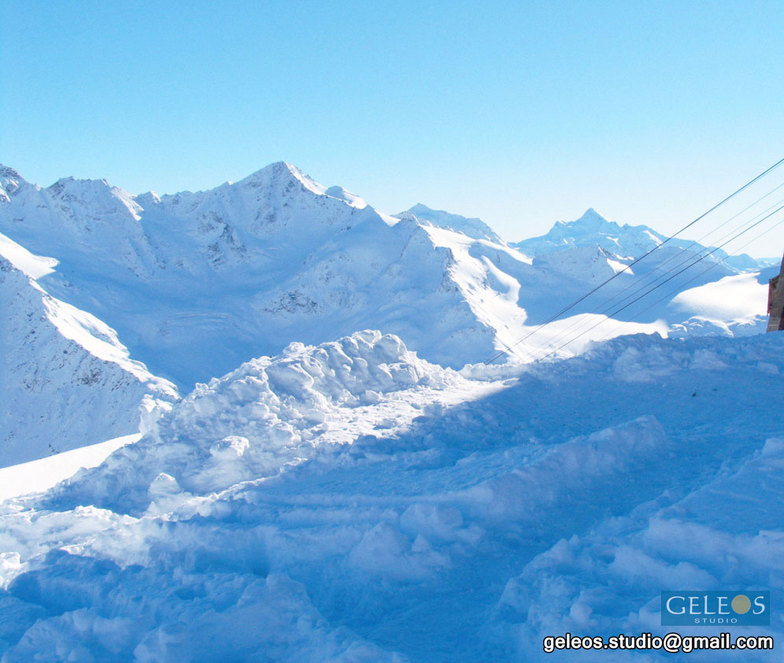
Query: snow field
[567, 500]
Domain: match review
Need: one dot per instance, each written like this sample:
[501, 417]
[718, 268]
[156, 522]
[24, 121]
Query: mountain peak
[71, 183]
[593, 221]
[278, 168]
[591, 213]
[420, 208]
[93, 194]
[10, 182]
[284, 174]
[471, 226]
[281, 172]
[9, 173]
[593, 230]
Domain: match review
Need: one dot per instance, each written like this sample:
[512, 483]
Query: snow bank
[269, 415]
[566, 502]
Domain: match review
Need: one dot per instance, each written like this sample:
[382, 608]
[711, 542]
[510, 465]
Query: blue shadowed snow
[565, 502]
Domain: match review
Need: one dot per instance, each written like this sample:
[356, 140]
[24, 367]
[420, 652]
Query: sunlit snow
[383, 451]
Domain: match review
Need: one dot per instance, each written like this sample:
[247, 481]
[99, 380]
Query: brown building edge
[776, 301]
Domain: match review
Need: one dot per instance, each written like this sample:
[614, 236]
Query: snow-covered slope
[564, 503]
[592, 249]
[65, 379]
[41, 474]
[730, 306]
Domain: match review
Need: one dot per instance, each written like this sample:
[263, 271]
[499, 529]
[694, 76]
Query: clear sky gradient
[520, 113]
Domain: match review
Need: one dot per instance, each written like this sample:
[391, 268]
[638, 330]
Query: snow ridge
[471, 227]
[67, 380]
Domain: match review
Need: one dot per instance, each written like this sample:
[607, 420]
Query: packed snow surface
[351, 502]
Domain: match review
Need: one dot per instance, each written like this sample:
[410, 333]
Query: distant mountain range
[626, 242]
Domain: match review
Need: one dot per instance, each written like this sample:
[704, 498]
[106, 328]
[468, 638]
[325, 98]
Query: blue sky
[520, 113]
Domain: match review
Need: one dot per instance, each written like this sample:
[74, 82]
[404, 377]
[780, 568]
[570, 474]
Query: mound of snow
[271, 414]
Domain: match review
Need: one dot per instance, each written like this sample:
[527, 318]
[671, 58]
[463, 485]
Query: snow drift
[564, 502]
[270, 415]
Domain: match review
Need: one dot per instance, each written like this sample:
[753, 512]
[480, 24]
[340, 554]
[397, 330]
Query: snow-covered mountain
[592, 249]
[197, 283]
[625, 241]
[472, 227]
[65, 379]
